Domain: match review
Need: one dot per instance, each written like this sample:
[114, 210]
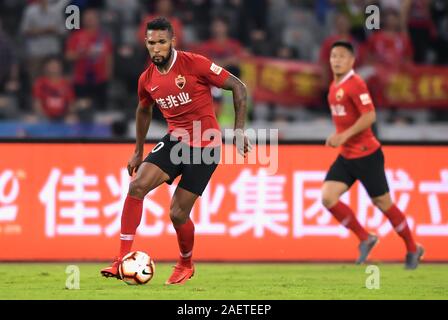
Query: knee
[329, 200]
[137, 189]
[178, 215]
[382, 203]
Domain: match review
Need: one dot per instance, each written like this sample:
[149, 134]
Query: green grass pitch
[289, 281]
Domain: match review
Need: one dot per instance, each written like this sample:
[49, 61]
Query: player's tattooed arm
[239, 91]
[239, 99]
[143, 117]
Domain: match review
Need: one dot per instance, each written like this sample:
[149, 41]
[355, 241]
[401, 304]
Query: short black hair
[160, 24]
[347, 45]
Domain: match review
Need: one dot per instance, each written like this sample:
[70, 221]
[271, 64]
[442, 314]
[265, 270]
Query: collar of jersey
[346, 77]
[172, 64]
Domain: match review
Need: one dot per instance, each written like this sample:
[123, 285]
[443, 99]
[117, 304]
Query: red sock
[185, 239]
[130, 219]
[347, 218]
[398, 221]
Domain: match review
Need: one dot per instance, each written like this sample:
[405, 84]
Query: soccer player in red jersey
[361, 156]
[179, 84]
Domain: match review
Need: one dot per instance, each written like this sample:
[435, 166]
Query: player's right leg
[149, 176]
[338, 180]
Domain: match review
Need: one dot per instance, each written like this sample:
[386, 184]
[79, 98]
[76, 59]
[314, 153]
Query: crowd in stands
[50, 73]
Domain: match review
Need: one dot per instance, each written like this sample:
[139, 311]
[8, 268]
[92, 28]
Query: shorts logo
[365, 98]
[215, 69]
[339, 94]
[158, 146]
[180, 81]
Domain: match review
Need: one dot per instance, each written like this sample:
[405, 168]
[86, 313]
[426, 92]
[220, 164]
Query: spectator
[440, 18]
[243, 17]
[196, 17]
[164, 8]
[221, 48]
[354, 9]
[342, 29]
[9, 73]
[53, 94]
[259, 44]
[42, 25]
[90, 51]
[390, 46]
[301, 30]
[285, 52]
[421, 28]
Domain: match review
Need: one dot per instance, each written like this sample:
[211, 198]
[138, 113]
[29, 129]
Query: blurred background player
[361, 156]
[179, 83]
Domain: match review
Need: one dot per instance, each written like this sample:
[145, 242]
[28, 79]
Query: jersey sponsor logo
[338, 110]
[154, 88]
[158, 146]
[172, 101]
[365, 98]
[215, 69]
[180, 81]
[339, 94]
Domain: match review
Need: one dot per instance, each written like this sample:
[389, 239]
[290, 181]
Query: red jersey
[55, 97]
[96, 48]
[348, 100]
[183, 94]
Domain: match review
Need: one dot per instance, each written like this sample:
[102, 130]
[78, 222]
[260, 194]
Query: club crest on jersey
[180, 81]
[339, 94]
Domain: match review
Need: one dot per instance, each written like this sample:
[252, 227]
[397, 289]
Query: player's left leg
[181, 205]
[372, 175]
[195, 177]
[400, 224]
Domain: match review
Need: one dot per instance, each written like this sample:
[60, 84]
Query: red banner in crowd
[410, 87]
[294, 83]
[64, 202]
[282, 82]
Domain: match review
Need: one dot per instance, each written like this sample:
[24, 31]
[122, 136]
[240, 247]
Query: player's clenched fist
[134, 163]
[242, 142]
[335, 140]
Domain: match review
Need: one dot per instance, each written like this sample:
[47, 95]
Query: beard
[164, 60]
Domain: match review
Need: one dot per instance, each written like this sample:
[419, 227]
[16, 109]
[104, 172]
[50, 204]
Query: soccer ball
[136, 268]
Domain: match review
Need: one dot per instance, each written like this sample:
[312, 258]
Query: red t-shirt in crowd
[183, 95]
[348, 100]
[55, 97]
[220, 50]
[390, 48]
[96, 49]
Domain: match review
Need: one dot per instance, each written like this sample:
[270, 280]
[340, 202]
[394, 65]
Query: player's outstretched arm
[143, 117]
[239, 91]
